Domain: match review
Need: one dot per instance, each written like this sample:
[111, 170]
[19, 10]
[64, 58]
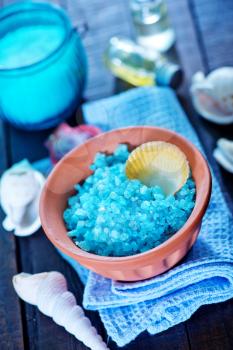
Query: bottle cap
[169, 74]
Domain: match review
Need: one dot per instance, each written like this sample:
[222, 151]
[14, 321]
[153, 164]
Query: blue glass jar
[43, 65]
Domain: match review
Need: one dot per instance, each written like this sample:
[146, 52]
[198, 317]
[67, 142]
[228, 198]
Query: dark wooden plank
[3, 158]
[214, 27]
[173, 339]
[211, 326]
[10, 318]
[187, 42]
[104, 19]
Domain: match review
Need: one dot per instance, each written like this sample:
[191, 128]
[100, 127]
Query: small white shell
[226, 146]
[213, 95]
[224, 154]
[20, 189]
[221, 81]
[48, 291]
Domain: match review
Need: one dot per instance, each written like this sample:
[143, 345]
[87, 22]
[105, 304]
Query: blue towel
[205, 276]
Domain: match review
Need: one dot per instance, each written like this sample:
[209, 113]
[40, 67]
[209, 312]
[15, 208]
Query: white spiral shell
[48, 291]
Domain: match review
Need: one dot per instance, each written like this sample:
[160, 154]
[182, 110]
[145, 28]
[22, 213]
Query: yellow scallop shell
[158, 163]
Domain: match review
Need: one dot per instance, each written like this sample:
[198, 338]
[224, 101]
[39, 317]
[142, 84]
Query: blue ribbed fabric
[205, 276]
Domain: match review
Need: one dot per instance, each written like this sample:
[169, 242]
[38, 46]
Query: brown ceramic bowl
[74, 167]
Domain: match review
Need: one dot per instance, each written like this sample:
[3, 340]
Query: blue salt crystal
[113, 216]
[143, 190]
[73, 200]
[115, 234]
[81, 213]
[72, 233]
[121, 154]
[113, 195]
[145, 205]
[79, 232]
[80, 223]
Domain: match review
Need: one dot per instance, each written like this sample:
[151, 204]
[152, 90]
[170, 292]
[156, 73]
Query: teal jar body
[47, 87]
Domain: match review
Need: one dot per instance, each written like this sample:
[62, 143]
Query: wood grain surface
[204, 41]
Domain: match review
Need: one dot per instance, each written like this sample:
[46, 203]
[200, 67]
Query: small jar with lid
[43, 65]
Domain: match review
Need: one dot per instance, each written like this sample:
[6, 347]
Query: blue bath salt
[111, 215]
[30, 44]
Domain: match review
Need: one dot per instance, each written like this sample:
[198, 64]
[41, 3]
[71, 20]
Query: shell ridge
[158, 163]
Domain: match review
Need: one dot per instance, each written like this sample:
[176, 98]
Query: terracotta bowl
[74, 167]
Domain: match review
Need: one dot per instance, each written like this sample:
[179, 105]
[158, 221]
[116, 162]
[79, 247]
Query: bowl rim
[164, 248]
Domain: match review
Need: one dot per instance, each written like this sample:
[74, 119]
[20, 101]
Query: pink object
[65, 138]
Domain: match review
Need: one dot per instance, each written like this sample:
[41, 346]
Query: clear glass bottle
[152, 26]
[131, 63]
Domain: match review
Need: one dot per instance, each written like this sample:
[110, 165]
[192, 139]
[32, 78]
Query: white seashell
[224, 154]
[48, 291]
[222, 160]
[213, 95]
[20, 189]
[226, 146]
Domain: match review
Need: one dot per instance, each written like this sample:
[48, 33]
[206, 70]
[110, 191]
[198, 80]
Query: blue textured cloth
[205, 276]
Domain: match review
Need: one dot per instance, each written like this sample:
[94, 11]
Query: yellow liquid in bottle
[135, 65]
[127, 61]
[132, 76]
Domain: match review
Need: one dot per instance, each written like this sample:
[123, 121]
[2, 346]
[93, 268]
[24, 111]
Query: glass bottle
[151, 23]
[132, 63]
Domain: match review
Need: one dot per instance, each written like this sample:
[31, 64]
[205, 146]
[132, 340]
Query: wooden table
[204, 32]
